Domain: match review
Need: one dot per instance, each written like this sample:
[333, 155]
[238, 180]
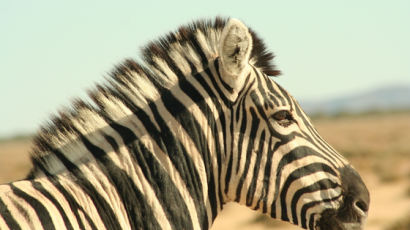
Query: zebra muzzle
[352, 213]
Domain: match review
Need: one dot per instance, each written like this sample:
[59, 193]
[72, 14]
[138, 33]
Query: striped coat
[164, 144]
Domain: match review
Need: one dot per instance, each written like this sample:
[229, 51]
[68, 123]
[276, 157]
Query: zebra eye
[283, 117]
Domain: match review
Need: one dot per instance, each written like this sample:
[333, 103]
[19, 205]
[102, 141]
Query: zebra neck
[141, 184]
[162, 159]
[59, 201]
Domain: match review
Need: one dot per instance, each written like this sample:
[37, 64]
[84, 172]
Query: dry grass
[403, 224]
[373, 143]
[14, 159]
[377, 145]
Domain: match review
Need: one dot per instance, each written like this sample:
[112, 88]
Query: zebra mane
[182, 53]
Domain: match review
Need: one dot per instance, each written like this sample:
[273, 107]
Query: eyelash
[283, 118]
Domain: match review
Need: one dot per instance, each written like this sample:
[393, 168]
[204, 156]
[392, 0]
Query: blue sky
[52, 51]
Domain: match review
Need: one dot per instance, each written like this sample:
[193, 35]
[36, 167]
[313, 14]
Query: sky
[53, 51]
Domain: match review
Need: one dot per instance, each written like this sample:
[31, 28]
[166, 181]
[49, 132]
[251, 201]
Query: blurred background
[347, 63]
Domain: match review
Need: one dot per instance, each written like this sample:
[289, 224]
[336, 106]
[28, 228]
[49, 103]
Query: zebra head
[168, 141]
[278, 163]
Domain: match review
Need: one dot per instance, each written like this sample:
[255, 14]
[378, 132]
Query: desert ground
[378, 146]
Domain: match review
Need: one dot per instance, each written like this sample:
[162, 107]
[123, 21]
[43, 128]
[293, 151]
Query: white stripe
[189, 145]
[61, 200]
[317, 196]
[277, 157]
[171, 79]
[205, 46]
[238, 167]
[261, 173]
[52, 210]
[82, 199]
[107, 190]
[123, 160]
[29, 221]
[289, 168]
[313, 196]
[86, 225]
[146, 188]
[176, 53]
[249, 173]
[164, 161]
[318, 209]
[3, 224]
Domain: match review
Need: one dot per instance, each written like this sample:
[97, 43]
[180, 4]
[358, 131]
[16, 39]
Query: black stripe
[313, 134]
[22, 211]
[174, 146]
[197, 47]
[323, 184]
[41, 211]
[252, 187]
[199, 100]
[295, 154]
[191, 66]
[39, 187]
[118, 176]
[272, 90]
[245, 89]
[139, 212]
[323, 146]
[241, 102]
[242, 131]
[284, 139]
[175, 108]
[311, 221]
[261, 90]
[165, 190]
[295, 175]
[235, 119]
[74, 206]
[285, 94]
[310, 205]
[218, 73]
[8, 218]
[267, 180]
[177, 153]
[215, 100]
[230, 160]
[254, 128]
[211, 77]
[264, 192]
[262, 113]
[107, 216]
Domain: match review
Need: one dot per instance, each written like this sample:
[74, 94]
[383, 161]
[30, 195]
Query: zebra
[167, 141]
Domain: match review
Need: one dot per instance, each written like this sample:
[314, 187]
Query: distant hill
[385, 98]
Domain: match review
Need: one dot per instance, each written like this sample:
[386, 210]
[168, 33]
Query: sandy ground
[390, 198]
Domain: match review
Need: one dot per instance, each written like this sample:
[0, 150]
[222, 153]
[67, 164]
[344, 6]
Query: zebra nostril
[357, 195]
[361, 207]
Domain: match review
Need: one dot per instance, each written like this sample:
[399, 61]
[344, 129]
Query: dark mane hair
[196, 44]
[260, 56]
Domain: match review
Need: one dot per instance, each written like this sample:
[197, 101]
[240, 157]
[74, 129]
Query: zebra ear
[235, 48]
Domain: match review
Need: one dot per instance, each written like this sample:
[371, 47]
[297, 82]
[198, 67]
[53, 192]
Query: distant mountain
[385, 98]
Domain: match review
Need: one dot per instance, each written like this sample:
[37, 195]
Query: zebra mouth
[352, 213]
[342, 219]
